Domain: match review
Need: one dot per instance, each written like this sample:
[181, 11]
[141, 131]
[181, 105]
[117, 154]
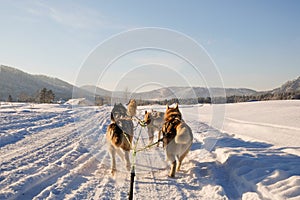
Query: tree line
[264, 97]
[42, 96]
[47, 96]
[99, 100]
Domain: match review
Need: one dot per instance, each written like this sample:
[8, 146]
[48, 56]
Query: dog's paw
[171, 175]
[113, 172]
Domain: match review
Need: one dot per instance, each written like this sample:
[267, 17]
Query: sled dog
[154, 121]
[177, 138]
[131, 108]
[119, 111]
[119, 135]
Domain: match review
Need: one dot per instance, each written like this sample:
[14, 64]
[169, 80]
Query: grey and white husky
[154, 121]
[119, 135]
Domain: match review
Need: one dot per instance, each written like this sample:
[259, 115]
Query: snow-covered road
[59, 152]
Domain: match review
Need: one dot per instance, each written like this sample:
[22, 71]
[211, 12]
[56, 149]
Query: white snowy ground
[59, 152]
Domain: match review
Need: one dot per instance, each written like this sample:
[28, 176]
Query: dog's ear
[145, 112]
[112, 117]
[176, 106]
[167, 106]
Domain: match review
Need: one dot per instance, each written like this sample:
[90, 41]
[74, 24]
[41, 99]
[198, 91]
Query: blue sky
[255, 44]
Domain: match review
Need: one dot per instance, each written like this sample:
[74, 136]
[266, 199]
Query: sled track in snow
[53, 155]
[62, 166]
[62, 155]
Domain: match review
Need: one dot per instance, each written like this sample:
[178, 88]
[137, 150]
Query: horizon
[254, 45]
[149, 90]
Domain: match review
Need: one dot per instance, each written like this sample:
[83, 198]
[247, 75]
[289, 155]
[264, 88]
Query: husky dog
[119, 111]
[154, 121]
[119, 136]
[131, 109]
[177, 138]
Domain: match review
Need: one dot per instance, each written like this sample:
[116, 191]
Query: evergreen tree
[50, 96]
[46, 96]
[42, 95]
[9, 99]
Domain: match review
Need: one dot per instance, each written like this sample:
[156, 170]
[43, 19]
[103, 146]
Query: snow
[51, 151]
[274, 122]
[77, 102]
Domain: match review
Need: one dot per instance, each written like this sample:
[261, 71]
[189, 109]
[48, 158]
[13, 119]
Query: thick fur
[154, 121]
[119, 111]
[172, 113]
[131, 108]
[178, 138]
[119, 136]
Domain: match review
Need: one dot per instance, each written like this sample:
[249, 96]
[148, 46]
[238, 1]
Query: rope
[127, 139]
[134, 148]
[140, 122]
[137, 140]
[150, 145]
[143, 124]
[132, 173]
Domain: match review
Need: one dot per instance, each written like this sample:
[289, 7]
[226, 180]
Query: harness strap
[169, 136]
[150, 145]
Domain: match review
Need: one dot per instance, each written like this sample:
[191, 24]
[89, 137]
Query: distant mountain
[96, 90]
[289, 86]
[172, 92]
[191, 92]
[15, 82]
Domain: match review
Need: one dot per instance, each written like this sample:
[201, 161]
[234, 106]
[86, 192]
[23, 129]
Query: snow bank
[274, 122]
[79, 102]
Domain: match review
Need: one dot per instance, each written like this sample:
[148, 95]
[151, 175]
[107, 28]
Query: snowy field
[59, 152]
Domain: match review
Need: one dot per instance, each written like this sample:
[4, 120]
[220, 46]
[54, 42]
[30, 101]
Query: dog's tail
[112, 117]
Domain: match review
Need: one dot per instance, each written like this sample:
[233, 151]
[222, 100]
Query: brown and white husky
[177, 138]
[154, 121]
[119, 136]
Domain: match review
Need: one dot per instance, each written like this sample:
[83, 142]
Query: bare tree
[126, 94]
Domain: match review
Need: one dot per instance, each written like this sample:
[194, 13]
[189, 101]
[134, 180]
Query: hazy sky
[255, 44]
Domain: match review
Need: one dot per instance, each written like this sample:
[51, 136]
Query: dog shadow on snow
[244, 165]
[183, 182]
